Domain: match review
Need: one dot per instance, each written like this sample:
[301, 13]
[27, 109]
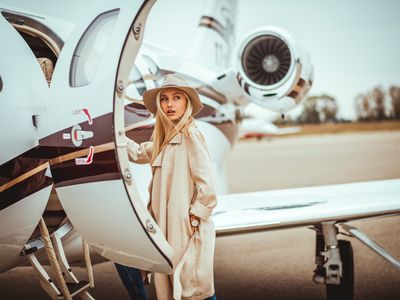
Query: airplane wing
[322, 207]
[260, 211]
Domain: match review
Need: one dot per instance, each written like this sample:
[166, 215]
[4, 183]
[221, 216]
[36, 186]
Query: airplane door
[98, 195]
[24, 187]
[22, 96]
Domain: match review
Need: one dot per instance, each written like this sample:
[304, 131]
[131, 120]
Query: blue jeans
[211, 298]
[132, 280]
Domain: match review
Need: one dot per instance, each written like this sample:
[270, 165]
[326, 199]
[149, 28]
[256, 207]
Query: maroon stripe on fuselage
[135, 113]
[24, 189]
[14, 170]
[53, 147]
[104, 165]
[214, 24]
[102, 168]
[102, 128]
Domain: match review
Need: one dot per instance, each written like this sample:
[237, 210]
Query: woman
[182, 190]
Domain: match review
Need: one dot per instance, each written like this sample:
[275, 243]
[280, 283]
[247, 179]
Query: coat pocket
[204, 259]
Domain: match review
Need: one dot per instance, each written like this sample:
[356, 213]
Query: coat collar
[177, 139]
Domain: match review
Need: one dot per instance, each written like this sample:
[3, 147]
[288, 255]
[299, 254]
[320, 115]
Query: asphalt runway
[279, 264]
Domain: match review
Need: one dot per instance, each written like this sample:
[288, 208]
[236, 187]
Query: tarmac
[279, 264]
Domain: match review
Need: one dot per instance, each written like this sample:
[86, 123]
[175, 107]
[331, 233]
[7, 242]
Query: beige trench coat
[183, 183]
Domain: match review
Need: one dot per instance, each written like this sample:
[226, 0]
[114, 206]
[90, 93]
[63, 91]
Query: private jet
[71, 78]
[260, 128]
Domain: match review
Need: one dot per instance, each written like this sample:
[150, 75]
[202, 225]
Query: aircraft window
[1, 84]
[90, 49]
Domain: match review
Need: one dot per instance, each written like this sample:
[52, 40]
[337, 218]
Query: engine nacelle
[272, 69]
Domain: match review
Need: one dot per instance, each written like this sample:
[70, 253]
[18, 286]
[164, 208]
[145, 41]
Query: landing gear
[334, 260]
[344, 290]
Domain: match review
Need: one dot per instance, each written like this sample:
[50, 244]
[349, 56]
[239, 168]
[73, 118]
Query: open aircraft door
[24, 187]
[91, 174]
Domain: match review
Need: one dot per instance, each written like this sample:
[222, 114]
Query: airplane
[71, 79]
[260, 127]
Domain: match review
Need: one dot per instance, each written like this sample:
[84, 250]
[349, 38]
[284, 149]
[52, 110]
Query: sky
[354, 45]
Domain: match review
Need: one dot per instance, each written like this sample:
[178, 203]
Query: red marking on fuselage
[86, 160]
[86, 112]
[89, 158]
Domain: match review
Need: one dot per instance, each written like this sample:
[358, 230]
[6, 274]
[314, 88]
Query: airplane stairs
[68, 285]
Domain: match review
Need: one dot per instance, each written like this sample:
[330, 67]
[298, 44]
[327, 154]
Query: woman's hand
[194, 223]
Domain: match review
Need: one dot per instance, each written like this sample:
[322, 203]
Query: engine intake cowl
[272, 69]
[266, 60]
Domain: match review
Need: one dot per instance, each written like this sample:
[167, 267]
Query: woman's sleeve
[202, 172]
[139, 153]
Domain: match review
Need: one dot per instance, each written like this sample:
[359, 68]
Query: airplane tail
[215, 35]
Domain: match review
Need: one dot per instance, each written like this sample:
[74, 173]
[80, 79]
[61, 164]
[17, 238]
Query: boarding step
[69, 285]
[37, 243]
[32, 246]
[76, 288]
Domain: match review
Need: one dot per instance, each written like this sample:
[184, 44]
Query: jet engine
[272, 69]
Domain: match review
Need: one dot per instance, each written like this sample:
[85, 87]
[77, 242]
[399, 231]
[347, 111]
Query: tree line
[374, 105]
[377, 104]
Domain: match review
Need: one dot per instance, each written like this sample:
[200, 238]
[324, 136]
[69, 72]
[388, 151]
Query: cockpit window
[45, 44]
[90, 49]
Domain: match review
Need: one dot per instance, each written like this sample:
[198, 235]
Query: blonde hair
[165, 130]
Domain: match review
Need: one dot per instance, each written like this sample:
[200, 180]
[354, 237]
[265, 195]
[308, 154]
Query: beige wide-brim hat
[172, 81]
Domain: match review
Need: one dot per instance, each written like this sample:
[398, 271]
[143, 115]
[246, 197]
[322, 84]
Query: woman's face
[173, 103]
